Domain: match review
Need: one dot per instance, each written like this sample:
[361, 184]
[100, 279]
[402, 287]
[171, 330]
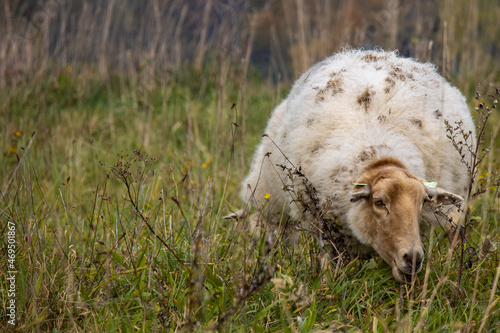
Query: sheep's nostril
[418, 262]
[410, 258]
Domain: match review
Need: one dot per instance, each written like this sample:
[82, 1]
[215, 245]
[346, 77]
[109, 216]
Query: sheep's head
[387, 205]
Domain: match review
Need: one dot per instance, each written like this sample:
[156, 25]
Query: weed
[463, 140]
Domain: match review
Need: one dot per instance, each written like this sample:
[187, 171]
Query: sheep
[356, 150]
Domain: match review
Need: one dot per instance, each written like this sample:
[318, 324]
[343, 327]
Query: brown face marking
[389, 215]
[385, 162]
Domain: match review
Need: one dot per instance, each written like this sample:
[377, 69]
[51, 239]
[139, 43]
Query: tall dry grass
[151, 38]
[95, 78]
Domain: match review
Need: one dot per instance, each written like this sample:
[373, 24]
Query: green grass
[117, 190]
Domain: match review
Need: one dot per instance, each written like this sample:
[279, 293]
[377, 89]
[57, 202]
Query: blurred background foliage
[280, 38]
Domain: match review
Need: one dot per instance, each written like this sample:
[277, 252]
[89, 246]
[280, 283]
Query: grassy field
[114, 192]
[124, 140]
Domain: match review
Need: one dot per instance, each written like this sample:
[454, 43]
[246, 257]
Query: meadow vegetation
[116, 173]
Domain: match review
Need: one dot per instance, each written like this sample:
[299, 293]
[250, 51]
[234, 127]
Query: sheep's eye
[378, 202]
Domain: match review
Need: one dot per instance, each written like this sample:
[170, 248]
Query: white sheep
[352, 150]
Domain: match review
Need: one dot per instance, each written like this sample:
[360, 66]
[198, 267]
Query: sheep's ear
[361, 191]
[439, 197]
[241, 214]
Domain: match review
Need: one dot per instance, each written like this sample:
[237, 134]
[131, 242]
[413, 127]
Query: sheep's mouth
[405, 276]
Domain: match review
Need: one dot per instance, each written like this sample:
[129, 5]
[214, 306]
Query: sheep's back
[359, 99]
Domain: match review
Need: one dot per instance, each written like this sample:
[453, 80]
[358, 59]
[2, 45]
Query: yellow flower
[204, 165]
[17, 133]
[267, 196]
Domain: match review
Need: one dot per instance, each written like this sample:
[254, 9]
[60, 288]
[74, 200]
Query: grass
[117, 191]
